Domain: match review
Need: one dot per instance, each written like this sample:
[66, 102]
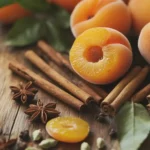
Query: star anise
[23, 93]
[42, 112]
[6, 145]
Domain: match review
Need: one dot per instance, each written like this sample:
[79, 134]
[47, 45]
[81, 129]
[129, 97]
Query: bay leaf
[52, 26]
[24, 32]
[60, 39]
[60, 16]
[133, 123]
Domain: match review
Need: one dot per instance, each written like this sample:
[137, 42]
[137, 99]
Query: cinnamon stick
[46, 85]
[50, 52]
[50, 72]
[141, 95]
[98, 90]
[119, 87]
[62, 61]
[65, 61]
[129, 90]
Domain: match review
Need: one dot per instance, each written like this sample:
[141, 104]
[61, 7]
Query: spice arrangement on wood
[76, 96]
[87, 74]
[46, 85]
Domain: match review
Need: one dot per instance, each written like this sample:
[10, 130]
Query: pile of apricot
[101, 53]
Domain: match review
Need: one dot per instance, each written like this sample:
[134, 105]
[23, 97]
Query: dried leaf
[133, 123]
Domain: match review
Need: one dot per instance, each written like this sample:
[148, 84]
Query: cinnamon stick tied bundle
[50, 72]
[46, 85]
[61, 61]
[127, 92]
[105, 105]
[141, 95]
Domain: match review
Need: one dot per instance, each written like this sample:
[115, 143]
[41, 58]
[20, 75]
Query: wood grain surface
[12, 117]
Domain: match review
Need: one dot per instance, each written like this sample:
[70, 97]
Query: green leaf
[60, 16]
[133, 123]
[6, 2]
[35, 5]
[58, 37]
[25, 31]
[52, 26]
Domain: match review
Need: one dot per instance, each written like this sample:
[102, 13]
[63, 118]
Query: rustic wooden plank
[8, 109]
[12, 117]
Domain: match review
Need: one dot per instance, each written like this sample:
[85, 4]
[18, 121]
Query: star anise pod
[23, 93]
[6, 145]
[42, 112]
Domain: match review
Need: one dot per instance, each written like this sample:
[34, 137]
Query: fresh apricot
[101, 55]
[100, 13]
[67, 4]
[143, 42]
[140, 13]
[68, 129]
[11, 13]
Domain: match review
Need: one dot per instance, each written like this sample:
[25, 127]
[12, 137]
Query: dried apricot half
[101, 55]
[68, 129]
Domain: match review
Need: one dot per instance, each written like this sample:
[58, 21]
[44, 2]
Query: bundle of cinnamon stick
[79, 95]
[62, 61]
[124, 90]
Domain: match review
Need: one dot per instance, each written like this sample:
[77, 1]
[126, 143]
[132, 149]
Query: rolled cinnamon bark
[50, 72]
[97, 98]
[62, 61]
[46, 85]
[98, 90]
[141, 95]
[50, 52]
[129, 90]
[105, 108]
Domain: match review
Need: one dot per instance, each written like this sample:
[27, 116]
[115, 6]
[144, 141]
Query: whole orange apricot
[100, 13]
[143, 42]
[101, 55]
[11, 13]
[140, 13]
[67, 4]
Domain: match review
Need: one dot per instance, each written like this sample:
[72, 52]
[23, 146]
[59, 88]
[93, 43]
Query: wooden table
[12, 117]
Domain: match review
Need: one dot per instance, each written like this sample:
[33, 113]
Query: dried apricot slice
[101, 55]
[68, 129]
